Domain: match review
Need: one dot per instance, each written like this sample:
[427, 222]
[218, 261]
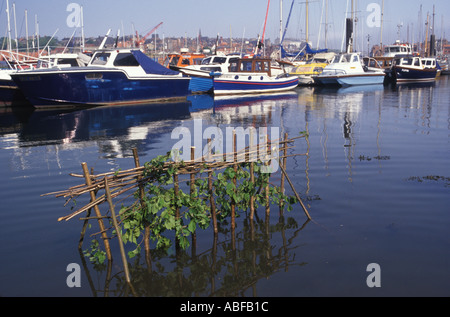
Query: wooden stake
[267, 186]
[192, 187]
[233, 202]
[295, 192]
[119, 234]
[211, 196]
[97, 212]
[142, 196]
[282, 175]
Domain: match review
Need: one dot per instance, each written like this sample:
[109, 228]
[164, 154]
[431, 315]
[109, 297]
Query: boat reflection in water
[117, 129]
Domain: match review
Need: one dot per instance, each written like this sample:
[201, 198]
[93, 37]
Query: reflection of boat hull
[411, 75]
[252, 84]
[199, 85]
[10, 94]
[96, 86]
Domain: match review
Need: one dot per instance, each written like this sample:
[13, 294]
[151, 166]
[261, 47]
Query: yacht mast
[9, 27]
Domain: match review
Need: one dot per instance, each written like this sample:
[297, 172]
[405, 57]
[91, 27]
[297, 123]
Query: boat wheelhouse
[177, 61]
[397, 49]
[113, 76]
[251, 75]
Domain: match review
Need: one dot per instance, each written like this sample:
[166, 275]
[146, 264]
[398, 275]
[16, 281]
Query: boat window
[246, 66]
[234, 66]
[219, 60]
[266, 66]
[206, 61]
[416, 62]
[125, 59]
[68, 61]
[258, 66]
[407, 61]
[174, 61]
[185, 61]
[100, 58]
[355, 58]
[197, 61]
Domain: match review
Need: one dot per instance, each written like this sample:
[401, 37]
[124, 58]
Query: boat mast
[82, 29]
[9, 27]
[26, 30]
[15, 30]
[281, 20]
[381, 28]
[307, 22]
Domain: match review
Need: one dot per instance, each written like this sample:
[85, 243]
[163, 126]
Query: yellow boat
[311, 68]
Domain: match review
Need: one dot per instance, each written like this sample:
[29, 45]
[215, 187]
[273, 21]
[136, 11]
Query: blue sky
[236, 17]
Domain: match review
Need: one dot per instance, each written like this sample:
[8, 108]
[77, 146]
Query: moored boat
[347, 70]
[252, 75]
[113, 76]
[177, 61]
[311, 68]
[411, 69]
[201, 79]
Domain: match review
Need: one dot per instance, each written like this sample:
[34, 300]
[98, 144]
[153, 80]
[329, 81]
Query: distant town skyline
[403, 19]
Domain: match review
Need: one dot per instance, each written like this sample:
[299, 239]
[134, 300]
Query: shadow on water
[231, 266]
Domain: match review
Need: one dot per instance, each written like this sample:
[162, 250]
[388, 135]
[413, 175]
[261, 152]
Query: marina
[240, 168]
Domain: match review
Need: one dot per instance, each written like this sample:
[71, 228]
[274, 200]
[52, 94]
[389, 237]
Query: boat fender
[213, 74]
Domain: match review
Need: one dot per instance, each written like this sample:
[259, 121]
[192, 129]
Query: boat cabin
[62, 60]
[251, 65]
[397, 49]
[409, 61]
[429, 62]
[175, 61]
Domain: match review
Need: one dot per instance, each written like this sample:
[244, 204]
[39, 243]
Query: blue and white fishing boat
[113, 76]
[347, 70]
[412, 69]
[201, 79]
[250, 76]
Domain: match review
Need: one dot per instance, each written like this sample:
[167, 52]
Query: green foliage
[166, 213]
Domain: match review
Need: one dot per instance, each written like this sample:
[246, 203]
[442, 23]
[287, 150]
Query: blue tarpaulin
[150, 66]
[307, 50]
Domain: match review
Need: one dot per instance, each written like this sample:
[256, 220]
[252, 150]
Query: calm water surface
[376, 182]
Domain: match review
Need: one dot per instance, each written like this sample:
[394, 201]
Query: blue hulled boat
[250, 76]
[113, 76]
[411, 69]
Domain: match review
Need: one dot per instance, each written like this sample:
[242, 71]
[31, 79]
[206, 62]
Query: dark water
[376, 182]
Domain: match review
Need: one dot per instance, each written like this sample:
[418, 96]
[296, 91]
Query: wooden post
[267, 186]
[211, 196]
[282, 175]
[192, 187]
[295, 192]
[97, 212]
[142, 196]
[177, 209]
[83, 229]
[119, 235]
[233, 202]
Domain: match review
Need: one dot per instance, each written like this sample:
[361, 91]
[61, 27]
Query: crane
[141, 41]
